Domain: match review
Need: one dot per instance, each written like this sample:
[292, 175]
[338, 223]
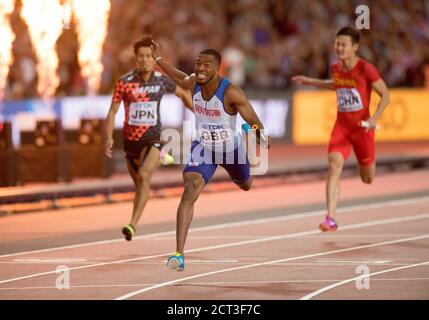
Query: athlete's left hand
[109, 148]
[372, 124]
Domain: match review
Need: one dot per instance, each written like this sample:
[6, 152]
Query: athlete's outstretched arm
[185, 96]
[110, 125]
[380, 87]
[320, 83]
[235, 97]
[179, 77]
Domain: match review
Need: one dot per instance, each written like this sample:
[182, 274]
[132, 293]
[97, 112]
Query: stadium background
[264, 43]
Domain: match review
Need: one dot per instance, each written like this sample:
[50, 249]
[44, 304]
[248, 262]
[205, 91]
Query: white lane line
[209, 261]
[294, 281]
[307, 214]
[335, 285]
[51, 260]
[233, 244]
[215, 283]
[330, 235]
[173, 236]
[168, 283]
[366, 235]
[355, 261]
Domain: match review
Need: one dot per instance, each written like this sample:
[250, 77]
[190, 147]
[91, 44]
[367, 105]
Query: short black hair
[214, 53]
[351, 32]
[144, 42]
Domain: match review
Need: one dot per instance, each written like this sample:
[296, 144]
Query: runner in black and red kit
[353, 78]
[141, 92]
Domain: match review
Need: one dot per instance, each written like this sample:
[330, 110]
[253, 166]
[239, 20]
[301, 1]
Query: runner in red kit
[353, 79]
[141, 92]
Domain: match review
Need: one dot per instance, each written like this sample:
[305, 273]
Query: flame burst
[67, 13]
[44, 21]
[91, 18]
[7, 36]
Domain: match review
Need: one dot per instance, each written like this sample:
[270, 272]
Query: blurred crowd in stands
[264, 42]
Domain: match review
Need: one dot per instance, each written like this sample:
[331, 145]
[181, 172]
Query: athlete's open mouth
[201, 77]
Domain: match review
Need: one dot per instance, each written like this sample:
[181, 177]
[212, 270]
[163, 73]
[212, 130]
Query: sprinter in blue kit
[216, 103]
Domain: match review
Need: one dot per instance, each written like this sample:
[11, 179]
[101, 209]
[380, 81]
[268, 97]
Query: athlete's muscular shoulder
[234, 96]
[369, 71]
[128, 77]
[336, 66]
[367, 66]
[121, 85]
[336, 69]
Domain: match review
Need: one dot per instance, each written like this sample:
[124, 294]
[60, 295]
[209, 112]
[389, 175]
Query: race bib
[349, 100]
[214, 134]
[143, 113]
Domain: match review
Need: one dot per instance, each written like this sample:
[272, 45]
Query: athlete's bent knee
[143, 176]
[335, 166]
[191, 190]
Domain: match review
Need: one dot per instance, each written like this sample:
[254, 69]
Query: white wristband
[158, 59]
[365, 124]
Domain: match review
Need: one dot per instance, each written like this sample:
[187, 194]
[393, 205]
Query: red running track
[262, 244]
